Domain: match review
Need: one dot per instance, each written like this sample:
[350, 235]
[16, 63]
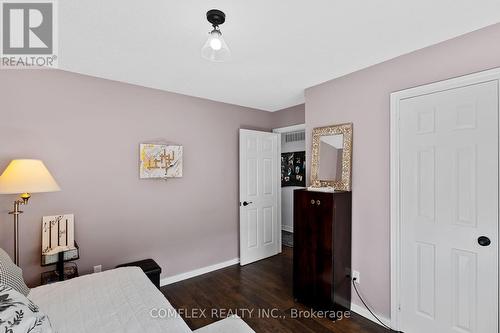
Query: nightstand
[149, 267]
[61, 272]
[70, 271]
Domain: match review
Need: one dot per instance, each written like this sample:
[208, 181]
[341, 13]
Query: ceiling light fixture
[215, 49]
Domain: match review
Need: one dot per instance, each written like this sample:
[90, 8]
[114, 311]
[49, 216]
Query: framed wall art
[160, 161]
[293, 169]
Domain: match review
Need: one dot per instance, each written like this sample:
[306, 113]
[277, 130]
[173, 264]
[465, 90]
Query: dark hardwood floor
[252, 291]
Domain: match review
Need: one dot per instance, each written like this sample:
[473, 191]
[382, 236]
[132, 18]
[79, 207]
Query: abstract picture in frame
[160, 161]
[293, 169]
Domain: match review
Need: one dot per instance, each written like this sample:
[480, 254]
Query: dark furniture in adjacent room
[322, 249]
[149, 267]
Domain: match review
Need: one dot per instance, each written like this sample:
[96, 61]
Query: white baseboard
[362, 311]
[287, 228]
[196, 272]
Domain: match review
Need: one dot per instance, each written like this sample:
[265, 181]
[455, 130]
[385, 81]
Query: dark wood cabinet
[322, 249]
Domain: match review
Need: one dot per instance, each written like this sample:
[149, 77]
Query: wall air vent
[295, 136]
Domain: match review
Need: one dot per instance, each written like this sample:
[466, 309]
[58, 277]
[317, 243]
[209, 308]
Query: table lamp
[25, 177]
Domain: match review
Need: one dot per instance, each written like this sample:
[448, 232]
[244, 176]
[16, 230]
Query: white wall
[287, 192]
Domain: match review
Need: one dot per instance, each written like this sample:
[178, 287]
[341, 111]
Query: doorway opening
[293, 174]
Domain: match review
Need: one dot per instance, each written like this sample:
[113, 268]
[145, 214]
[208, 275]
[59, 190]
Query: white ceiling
[279, 48]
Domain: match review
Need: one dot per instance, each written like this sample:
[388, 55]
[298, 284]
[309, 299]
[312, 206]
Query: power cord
[368, 308]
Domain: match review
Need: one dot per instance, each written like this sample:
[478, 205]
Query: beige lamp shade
[27, 176]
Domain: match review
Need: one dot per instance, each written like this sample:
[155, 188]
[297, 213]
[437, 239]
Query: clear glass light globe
[215, 48]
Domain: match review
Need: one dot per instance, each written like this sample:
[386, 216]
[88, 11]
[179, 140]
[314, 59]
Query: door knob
[246, 203]
[484, 241]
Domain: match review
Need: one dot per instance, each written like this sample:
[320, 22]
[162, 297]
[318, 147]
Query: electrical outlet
[355, 275]
[97, 268]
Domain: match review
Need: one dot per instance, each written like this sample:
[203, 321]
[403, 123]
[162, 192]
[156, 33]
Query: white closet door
[449, 199]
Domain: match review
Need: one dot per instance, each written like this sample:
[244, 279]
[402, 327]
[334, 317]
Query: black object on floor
[149, 267]
[287, 238]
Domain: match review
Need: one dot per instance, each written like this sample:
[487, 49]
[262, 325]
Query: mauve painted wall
[88, 131]
[363, 98]
[294, 115]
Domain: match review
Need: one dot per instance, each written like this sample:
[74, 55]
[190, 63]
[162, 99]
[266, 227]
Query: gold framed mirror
[332, 157]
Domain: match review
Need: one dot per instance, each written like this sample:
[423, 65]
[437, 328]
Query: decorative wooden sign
[58, 233]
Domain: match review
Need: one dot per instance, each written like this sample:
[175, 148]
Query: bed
[118, 300]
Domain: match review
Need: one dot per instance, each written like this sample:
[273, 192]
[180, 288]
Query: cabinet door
[324, 253]
[304, 247]
[313, 248]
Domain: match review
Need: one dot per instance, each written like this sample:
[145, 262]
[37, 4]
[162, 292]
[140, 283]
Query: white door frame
[280, 130]
[288, 129]
[396, 97]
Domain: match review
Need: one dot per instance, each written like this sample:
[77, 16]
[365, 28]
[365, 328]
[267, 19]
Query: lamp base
[16, 212]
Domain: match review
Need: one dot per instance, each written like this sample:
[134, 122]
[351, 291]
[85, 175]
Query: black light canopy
[216, 17]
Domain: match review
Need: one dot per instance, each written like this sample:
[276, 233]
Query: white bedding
[118, 300]
[232, 324]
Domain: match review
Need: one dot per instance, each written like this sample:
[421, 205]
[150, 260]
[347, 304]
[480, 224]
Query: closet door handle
[245, 203]
[312, 201]
[318, 202]
[484, 241]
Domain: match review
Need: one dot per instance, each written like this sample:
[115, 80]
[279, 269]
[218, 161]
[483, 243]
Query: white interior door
[260, 235]
[448, 169]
